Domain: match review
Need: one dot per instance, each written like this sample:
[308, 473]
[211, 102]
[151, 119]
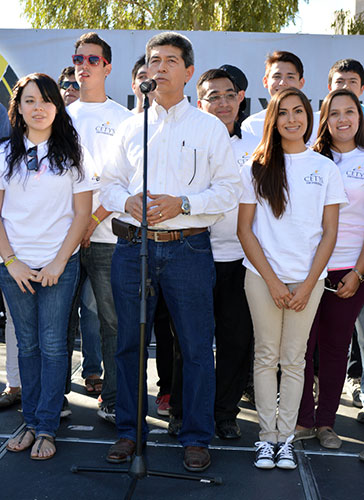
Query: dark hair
[212, 74]
[66, 73]
[269, 169]
[324, 141]
[174, 39]
[283, 56]
[94, 38]
[139, 64]
[63, 144]
[345, 65]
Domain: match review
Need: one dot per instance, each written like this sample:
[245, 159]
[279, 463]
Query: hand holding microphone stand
[137, 469]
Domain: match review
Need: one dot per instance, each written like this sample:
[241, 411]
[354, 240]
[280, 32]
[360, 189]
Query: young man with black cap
[220, 94]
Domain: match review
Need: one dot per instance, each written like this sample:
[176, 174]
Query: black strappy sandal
[21, 438]
[40, 440]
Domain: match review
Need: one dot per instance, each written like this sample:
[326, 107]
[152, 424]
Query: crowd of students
[255, 236]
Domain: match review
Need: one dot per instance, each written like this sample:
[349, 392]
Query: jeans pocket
[199, 243]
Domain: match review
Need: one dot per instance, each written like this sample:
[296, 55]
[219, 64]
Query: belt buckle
[156, 236]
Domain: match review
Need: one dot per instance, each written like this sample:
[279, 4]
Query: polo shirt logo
[314, 178]
[105, 128]
[355, 173]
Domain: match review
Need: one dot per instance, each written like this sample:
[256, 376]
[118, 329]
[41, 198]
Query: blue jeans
[90, 332]
[184, 270]
[96, 259]
[41, 322]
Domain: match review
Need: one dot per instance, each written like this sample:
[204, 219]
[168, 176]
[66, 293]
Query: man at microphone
[192, 179]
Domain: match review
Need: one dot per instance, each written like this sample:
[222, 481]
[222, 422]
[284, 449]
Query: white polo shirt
[225, 243]
[96, 123]
[350, 236]
[189, 153]
[37, 211]
[290, 242]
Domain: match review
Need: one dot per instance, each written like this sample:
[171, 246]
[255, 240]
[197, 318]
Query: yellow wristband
[10, 261]
[96, 218]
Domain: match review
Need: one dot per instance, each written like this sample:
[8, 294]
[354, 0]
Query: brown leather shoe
[196, 458]
[121, 451]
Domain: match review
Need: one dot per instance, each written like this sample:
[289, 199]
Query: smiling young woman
[341, 138]
[287, 227]
[45, 203]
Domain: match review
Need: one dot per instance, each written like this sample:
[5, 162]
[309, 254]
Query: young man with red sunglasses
[96, 117]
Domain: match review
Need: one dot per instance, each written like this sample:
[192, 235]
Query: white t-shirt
[290, 242]
[225, 243]
[254, 125]
[96, 123]
[350, 236]
[38, 210]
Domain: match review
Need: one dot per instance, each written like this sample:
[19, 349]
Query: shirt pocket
[193, 166]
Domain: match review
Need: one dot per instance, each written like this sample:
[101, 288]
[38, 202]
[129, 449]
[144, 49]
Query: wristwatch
[186, 207]
[359, 275]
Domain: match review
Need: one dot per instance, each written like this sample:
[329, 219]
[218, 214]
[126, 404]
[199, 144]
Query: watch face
[186, 206]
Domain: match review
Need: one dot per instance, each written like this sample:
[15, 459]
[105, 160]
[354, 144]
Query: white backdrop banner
[49, 51]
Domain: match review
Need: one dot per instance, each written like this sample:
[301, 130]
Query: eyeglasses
[215, 99]
[330, 287]
[67, 84]
[32, 159]
[79, 59]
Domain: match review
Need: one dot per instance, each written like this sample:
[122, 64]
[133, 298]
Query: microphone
[148, 86]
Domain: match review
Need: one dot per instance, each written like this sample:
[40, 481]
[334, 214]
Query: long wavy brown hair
[324, 142]
[268, 169]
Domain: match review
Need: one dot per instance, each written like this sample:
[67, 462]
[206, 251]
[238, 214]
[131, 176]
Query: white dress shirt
[189, 153]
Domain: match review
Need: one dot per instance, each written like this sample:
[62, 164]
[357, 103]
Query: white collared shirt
[189, 153]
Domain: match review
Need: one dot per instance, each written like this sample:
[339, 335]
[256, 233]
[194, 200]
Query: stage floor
[84, 438]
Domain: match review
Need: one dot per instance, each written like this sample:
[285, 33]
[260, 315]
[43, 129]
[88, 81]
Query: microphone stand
[137, 469]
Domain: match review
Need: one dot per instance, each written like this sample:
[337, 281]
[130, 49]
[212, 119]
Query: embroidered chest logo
[243, 159]
[105, 129]
[314, 178]
[356, 173]
[96, 177]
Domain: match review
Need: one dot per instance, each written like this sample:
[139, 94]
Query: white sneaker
[285, 456]
[264, 455]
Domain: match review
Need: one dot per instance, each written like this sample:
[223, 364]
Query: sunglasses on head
[67, 84]
[79, 59]
[32, 159]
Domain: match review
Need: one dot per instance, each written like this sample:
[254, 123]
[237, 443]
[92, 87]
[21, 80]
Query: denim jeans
[184, 270]
[40, 322]
[96, 259]
[90, 332]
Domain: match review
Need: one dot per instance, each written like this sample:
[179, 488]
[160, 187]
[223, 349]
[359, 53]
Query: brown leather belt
[131, 233]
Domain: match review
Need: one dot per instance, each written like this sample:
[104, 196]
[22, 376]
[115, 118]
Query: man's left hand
[162, 207]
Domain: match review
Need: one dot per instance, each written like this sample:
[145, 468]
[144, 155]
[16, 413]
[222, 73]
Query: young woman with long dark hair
[287, 226]
[340, 138]
[45, 200]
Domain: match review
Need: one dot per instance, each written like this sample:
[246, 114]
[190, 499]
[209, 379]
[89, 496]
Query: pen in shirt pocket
[183, 145]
